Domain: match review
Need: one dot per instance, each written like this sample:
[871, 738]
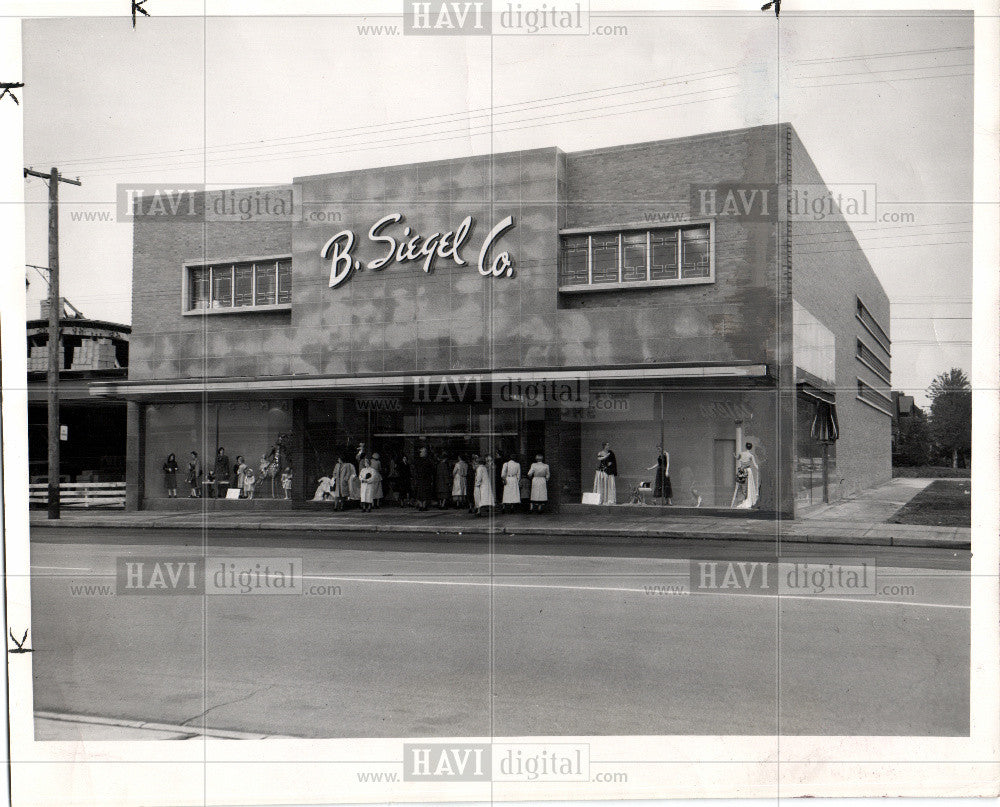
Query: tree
[911, 439]
[951, 414]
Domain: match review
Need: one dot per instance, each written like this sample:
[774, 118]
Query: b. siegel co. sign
[410, 247]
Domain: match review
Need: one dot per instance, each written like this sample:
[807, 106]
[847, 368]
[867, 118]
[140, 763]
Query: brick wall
[734, 319]
[401, 319]
[827, 279]
[167, 344]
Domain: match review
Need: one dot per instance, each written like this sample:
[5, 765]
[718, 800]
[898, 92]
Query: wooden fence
[80, 494]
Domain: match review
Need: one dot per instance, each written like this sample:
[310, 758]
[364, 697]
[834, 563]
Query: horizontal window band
[875, 336]
[874, 369]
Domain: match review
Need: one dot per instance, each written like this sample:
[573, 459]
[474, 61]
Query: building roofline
[556, 149]
[82, 323]
[486, 155]
[685, 138]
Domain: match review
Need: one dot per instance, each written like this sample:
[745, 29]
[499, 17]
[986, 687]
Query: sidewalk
[876, 505]
[858, 524]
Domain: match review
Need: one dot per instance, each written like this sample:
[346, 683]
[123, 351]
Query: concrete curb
[865, 535]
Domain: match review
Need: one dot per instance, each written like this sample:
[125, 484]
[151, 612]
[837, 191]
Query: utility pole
[55, 309]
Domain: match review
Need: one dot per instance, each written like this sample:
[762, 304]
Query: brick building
[93, 444]
[533, 301]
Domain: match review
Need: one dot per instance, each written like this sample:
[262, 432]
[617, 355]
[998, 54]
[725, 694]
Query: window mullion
[620, 258]
[232, 286]
[680, 255]
[590, 260]
[649, 256]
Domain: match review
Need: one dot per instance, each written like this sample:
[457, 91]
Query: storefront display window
[699, 429]
[811, 456]
[247, 428]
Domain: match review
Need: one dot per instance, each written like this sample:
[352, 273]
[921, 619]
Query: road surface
[421, 636]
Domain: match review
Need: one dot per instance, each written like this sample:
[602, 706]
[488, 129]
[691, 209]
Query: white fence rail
[81, 494]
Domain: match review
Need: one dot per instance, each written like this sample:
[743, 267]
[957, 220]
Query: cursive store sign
[413, 247]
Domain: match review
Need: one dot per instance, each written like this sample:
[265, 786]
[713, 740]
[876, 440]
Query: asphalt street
[419, 636]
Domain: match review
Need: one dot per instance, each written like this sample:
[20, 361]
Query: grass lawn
[943, 503]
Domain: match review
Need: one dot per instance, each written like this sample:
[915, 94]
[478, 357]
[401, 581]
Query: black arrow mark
[20, 644]
[137, 6]
[7, 87]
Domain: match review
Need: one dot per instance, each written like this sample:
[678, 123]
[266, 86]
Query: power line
[620, 89]
[494, 110]
[424, 121]
[220, 152]
[461, 133]
[898, 301]
[876, 226]
[883, 55]
[880, 81]
[931, 342]
[885, 246]
[890, 235]
[890, 70]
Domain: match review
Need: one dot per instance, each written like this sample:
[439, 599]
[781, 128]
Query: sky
[883, 99]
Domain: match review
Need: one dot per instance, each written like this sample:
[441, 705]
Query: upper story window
[871, 325]
[630, 257]
[236, 285]
[867, 356]
[875, 399]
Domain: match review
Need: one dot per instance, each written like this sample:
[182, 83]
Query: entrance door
[725, 471]
[452, 428]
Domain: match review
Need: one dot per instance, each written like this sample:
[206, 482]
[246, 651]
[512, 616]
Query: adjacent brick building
[93, 444]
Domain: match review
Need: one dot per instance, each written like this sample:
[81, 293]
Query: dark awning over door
[824, 425]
